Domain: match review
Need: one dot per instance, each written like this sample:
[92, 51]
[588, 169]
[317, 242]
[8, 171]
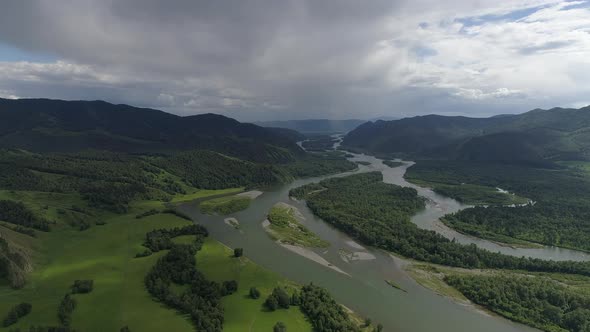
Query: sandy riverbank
[252, 194]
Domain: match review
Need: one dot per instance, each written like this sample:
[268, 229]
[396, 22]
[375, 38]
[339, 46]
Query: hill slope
[315, 126]
[532, 137]
[45, 125]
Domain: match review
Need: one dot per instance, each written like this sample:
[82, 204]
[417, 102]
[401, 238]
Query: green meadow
[106, 254]
[241, 312]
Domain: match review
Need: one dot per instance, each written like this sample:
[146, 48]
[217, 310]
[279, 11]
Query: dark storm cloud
[277, 59]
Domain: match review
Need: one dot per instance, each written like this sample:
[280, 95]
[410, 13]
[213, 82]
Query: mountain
[45, 125]
[535, 137]
[315, 126]
[293, 135]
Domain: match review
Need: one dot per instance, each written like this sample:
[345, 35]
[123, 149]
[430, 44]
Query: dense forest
[378, 214]
[210, 170]
[560, 215]
[324, 313]
[539, 302]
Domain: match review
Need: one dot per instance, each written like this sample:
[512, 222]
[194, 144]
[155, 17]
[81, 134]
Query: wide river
[363, 287]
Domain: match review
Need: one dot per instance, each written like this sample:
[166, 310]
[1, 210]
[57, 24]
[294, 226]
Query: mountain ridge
[49, 125]
[537, 137]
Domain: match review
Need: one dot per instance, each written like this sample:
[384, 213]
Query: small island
[283, 225]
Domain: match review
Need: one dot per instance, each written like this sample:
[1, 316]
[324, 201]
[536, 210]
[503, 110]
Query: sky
[298, 59]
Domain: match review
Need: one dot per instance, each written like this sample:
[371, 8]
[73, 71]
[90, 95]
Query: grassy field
[285, 227]
[241, 312]
[225, 205]
[106, 254]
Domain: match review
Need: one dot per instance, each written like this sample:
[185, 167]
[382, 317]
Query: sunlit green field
[241, 312]
[106, 254]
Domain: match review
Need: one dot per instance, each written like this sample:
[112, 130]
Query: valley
[365, 229]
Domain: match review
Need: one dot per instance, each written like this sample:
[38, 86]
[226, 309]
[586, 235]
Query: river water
[363, 287]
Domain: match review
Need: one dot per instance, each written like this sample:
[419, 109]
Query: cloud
[256, 59]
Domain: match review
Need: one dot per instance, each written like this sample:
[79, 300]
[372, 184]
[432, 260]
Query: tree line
[536, 301]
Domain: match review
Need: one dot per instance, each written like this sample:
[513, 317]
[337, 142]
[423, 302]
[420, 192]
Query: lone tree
[238, 252]
[271, 303]
[254, 293]
[280, 327]
[278, 299]
[229, 287]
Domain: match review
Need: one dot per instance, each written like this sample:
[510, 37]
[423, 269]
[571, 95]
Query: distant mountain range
[535, 137]
[46, 125]
[315, 126]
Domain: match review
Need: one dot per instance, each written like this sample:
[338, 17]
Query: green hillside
[45, 125]
[536, 137]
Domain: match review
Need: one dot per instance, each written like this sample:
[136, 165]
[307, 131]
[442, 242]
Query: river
[363, 287]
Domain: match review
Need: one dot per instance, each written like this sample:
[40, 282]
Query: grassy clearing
[285, 227]
[225, 205]
[241, 312]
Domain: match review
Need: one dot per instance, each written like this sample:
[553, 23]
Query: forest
[378, 214]
[110, 181]
[560, 214]
[535, 301]
[324, 313]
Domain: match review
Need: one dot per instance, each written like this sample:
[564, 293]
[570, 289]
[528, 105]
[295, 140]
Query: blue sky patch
[9, 53]
[512, 16]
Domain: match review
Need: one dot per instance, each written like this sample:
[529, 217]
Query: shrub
[280, 327]
[82, 286]
[254, 293]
